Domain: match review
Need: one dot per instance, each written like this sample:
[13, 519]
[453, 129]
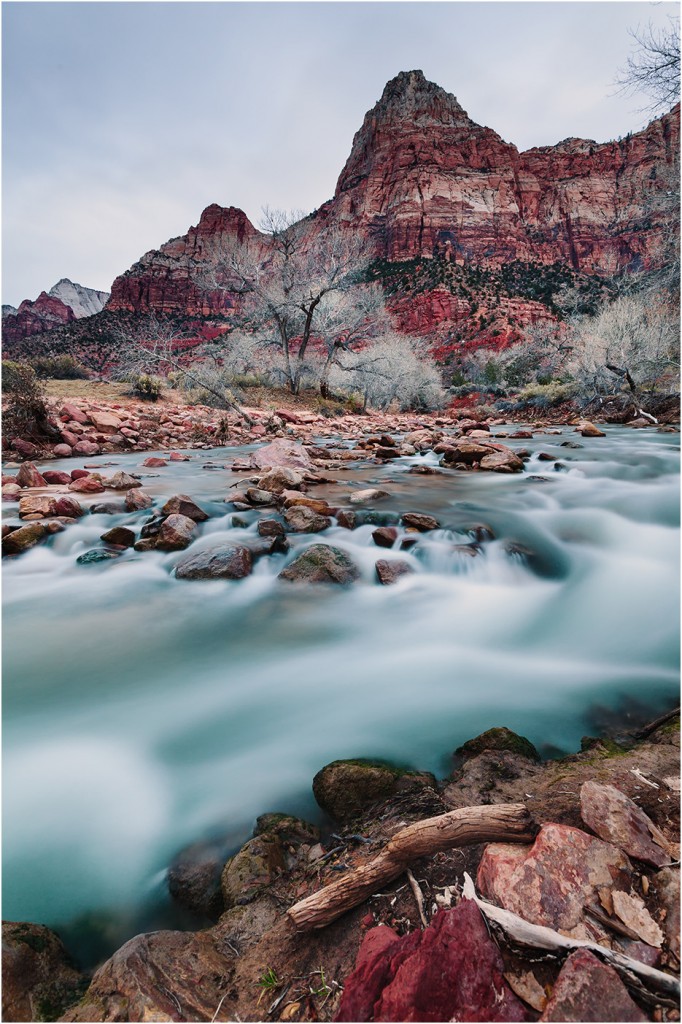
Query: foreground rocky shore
[600, 864]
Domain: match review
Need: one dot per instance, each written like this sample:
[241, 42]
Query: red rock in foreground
[451, 971]
[588, 990]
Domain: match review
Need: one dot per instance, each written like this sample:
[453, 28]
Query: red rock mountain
[43, 314]
[472, 238]
[438, 195]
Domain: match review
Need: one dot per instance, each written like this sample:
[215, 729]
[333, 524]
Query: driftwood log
[541, 937]
[504, 823]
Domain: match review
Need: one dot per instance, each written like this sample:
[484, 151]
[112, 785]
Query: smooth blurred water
[142, 712]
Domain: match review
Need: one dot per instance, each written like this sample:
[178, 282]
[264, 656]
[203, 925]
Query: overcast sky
[122, 121]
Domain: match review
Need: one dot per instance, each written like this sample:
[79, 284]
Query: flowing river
[143, 713]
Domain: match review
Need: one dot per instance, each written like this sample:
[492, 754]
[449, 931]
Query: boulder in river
[68, 506]
[226, 562]
[22, 539]
[120, 536]
[194, 878]
[282, 452]
[87, 485]
[589, 430]
[302, 519]
[95, 556]
[177, 531]
[32, 505]
[420, 521]
[498, 738]
[505, 461]
[281, 479]
[321, 563]
[385, 536]
[390, 571]
[183, 505]
[121, 481]
[367, 495]
[55, 476]
[137, 500]
[28, 476]
[39, 981]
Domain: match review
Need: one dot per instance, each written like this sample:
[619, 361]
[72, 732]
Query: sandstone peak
[411, 95]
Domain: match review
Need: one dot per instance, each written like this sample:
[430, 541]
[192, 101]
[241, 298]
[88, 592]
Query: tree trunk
[491, 823]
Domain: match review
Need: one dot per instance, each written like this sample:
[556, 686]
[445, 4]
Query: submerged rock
[369, 494]
[194, 879]
[228, 562]
[321, 563]
[96, 555]
[391, 571]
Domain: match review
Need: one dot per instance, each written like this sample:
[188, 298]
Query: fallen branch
[469, 825]
[541, 937]
[419, 897]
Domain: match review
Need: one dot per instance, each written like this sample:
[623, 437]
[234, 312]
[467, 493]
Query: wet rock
[120, 536]
[526, 435]
[257, 496]
[11, 492]
[28, 476]
[282, 479]
[385, 536]
[467, 452]
[177, 531]
[290, 830]
[280, 453]
[499, 738]
[36, 505]
[121, 481]
[505, 461]
[77, 474]
[154, 463]
[367, 495]
[145, 544]
[419, 521]
[194, 879]
[616, 819]
[183, 505]
[227, 562]
[257, 865]
[178, 457]
[86, 448]
[571, 444]
[550, 882]
[451, 971]
[344, 788]
[137, 500]
[39, 981]
[321, 563]
[87, 485]
[24, 538]
[54, 476]
[108, 508]
[589, 990]
[301, 519]
[293, 498]
[389, 572]
[348, 520]
[425, 470]
[589, 430]
[270, 528]
[68, 506]
[163, 976]
[95, 556]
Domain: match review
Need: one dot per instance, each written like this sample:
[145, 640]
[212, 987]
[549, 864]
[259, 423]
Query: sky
[123, 121]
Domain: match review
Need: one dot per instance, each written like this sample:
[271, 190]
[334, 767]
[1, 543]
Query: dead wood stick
[419, 897]
[487, 824]
[540, 937]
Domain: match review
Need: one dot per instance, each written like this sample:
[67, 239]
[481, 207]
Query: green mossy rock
[290, 830]
[499, 738]
[344, 788]
[321, 563]
[256, 866]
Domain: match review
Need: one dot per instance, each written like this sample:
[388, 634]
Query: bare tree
[283, 283]
[391, 368]
[654, 66]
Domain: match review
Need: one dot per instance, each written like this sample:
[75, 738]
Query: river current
[143, 713]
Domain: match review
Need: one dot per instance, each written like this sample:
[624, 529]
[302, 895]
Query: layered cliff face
[478, 236]
[422, 178]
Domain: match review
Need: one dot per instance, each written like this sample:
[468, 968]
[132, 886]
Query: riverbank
[606, 823]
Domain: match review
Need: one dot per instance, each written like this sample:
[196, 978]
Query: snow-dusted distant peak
[83, 301]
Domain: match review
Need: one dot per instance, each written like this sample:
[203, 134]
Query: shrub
[546, 395]
[62, 367]
[145, 386]
[25, 412]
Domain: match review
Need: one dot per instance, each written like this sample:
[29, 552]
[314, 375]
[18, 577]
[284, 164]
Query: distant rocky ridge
[64, 303]
[472, 239]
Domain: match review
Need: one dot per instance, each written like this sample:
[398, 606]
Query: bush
[543, 396]
[63, 367]
[145, 386]
[25, 412]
